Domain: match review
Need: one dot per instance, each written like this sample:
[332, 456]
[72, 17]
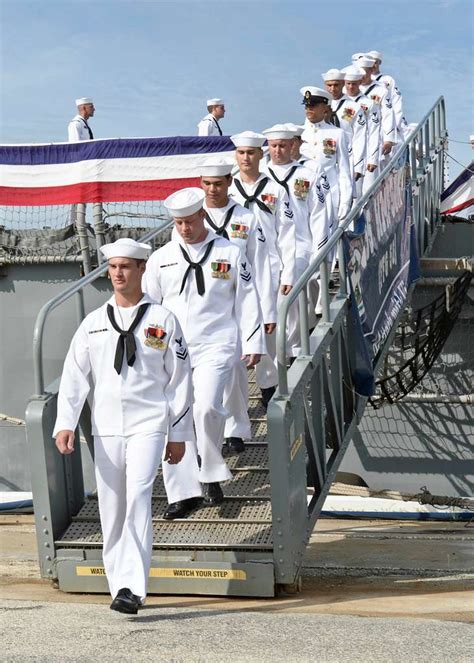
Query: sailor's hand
[174, 452]
[371, 167]
[387, 147]
[357, 176]
[65, 441]
[251, 360]
[270, 327]
[285, 289]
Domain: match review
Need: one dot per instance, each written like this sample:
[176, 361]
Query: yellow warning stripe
[295, 446]
[181, 573]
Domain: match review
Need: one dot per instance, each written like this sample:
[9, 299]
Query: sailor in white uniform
[379, 94]
[307, 201]
[350, 117]
[207, 283]
[314, 166]
[229, 219]
[352, 78]
[328, 145]
[394, 92]
[78, 128]
[270, 204]
[209, 125]
[296, 141]
[134, 352]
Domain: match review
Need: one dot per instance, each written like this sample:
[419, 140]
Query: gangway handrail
[62, 297]
[320, 262]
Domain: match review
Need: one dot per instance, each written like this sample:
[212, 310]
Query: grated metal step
[182, 534]
[246, 484]
[256, 511]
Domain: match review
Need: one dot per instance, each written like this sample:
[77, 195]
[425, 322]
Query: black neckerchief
[91, 135]
[221, 230]
[284, 181]
[254, 197]
[126, 340]
[198, 273]
[217, 125]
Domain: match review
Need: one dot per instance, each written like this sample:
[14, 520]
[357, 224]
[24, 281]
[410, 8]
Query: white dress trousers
[125, 469]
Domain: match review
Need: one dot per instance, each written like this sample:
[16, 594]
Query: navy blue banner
[112, 148]
[381, 263]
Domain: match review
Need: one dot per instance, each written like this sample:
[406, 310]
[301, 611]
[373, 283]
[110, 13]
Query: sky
[150, 65]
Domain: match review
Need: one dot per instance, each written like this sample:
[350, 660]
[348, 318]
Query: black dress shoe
[235, 445]
[126, 602]
[182, 509]
[212, 493]
[267, 394]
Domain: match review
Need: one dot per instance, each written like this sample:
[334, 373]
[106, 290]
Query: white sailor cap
[332, 75]
[215, 102]
[248, 139]
[126, 248]
[297, 129]
[376, 55]
[185, 202]
[84, 100]
[278, 132]
[313, 95]
[356, 56]
[365, 61]
[215, 168]
[353, 73]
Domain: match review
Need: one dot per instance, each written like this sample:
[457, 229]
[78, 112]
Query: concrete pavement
[55, 632]
[372, 591]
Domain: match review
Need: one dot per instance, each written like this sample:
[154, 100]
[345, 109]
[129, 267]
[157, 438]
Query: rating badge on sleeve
[220, 269]
[154, 337]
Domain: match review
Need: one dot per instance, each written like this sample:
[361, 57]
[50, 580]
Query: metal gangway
[252, 544]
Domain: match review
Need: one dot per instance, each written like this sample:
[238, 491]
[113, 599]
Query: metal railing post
[426, 145]
[99, 229]
[342, 270]
[81, 228]
[324, 291]
[80, 308]
[304, 325]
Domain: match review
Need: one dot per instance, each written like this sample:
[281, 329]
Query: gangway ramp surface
[214, 547]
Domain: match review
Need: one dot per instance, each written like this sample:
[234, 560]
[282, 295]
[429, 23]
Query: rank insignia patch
[239, 231]
[154, 337]
[270, 201]
[245, 274]
[329, 147]
[348, 114]
[321, 196]
[261, 236]
[182, 351]
[220, 269]
[301, 188]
